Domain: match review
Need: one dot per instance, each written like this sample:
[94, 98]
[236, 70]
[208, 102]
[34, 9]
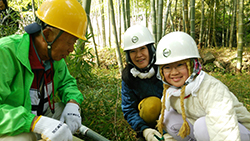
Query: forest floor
[228, 58]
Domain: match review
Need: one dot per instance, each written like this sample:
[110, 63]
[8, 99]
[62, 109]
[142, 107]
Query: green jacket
[16, 78]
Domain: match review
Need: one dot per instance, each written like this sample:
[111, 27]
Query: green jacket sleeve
[65, 84]
[15, 81]
[14, 120]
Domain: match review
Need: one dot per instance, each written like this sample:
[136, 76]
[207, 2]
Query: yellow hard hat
[67, 15]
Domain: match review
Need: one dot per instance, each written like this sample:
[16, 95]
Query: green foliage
[247, 37]
[80, 64]
[9, 22]
[26, 19]
[209, 67]
[24, 7]
[101, 108]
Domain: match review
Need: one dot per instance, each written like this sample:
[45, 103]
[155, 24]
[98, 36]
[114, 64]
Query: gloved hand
[51, 129]
[72, 117]
[168, 137]
[149, 133]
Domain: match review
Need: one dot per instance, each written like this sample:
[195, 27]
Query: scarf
[141, 75]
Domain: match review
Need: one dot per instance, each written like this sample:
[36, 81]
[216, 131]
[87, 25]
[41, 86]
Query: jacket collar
[23, 51]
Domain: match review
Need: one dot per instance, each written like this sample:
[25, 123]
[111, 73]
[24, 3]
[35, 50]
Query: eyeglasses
[178, 67]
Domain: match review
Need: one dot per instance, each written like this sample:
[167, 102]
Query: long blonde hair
[185, 129]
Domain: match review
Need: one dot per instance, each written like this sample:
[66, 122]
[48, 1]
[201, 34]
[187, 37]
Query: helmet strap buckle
[50, 43]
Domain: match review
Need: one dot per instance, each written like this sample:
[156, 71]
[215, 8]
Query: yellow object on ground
[150, 108]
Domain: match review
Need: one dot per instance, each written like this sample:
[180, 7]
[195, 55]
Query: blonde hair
[185, 129]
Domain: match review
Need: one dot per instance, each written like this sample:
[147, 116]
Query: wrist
[34, 121]
[73, 101]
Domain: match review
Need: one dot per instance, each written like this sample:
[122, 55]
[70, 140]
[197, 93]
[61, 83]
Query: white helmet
[174, 47]
[137, 36]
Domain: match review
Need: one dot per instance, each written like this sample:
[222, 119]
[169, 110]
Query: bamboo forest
[220, 28]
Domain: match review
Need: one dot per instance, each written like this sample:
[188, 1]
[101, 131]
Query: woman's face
[175, 73]
[140, 56]
[2, 5]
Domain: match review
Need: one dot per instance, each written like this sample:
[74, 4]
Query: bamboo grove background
[217, 25]
[212, 23]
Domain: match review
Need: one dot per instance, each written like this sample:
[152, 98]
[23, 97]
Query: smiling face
[140, 56]
[175, 73]
[63, 46]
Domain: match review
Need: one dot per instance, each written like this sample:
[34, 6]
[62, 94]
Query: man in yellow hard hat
[33, 70]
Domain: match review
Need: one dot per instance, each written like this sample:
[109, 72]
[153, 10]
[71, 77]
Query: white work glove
[52, 130]
[149, 133]
[71, 116]
[168, 137]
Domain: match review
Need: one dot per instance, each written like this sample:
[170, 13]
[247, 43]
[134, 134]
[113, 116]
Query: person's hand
[72, 117]
[168, 137]
[51, 129]
[150, 134]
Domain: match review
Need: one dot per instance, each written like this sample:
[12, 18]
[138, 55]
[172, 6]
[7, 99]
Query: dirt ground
[227, 58]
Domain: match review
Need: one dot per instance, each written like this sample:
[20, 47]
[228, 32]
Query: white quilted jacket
[221, 108]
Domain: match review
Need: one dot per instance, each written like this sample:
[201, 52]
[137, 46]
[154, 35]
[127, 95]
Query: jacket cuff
[73, 101]
[140, 131]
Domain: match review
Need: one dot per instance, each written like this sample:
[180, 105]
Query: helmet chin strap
[50, 43]
[196, 71]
